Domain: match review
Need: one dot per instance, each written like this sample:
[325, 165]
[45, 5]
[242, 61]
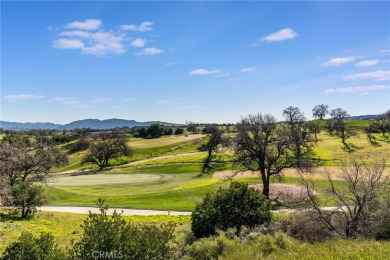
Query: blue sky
[195, 61]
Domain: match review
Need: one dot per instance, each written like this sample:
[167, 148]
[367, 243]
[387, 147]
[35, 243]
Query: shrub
[307, 226]
[33, 248]
[211, 247]
[234, 207]
[26, 197]
[111, 236]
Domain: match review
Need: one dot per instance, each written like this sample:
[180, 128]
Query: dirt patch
[284, 193]
[317, 173]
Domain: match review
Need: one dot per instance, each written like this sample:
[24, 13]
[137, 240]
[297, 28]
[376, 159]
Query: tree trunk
[265, 180]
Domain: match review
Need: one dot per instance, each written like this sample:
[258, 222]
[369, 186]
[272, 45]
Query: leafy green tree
[33, 248]
[27, 197]
[179, 131]
[155, 130]
[234, 207]
[109, 147]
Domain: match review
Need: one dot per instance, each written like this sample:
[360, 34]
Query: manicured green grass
[162, 141]
[170, 187]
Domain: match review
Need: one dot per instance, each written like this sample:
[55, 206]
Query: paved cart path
[134, 212]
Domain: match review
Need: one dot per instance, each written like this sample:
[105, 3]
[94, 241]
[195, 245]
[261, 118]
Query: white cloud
[164, 102]
[384, 51]
[90, 24]
[66, 101]
[21, 97]
[150, 51]
[90, 39]
[204, 72]
[100, 100]
[379, 75]
[247, 69]
[138, 42]
[76, 33]
[337, 61]
[361, 90]
[223, 75]
[143, 27]
[98, 43]
[173, 63]
[284, 34]
[68, 44]
[367, 63]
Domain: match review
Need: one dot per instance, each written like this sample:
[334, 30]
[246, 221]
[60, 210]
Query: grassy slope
[143, 149]
[65, 226]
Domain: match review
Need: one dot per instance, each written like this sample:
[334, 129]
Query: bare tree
[364, 177]
[262, 145]
[301, 136]
[21, 161]
[382, 124]
[337, 124]
[216, 139]
[108, 146]
[320, 111]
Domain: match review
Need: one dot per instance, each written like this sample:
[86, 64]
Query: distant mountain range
[86, 123]
[106, 124]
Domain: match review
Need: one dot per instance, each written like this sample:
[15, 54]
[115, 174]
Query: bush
[228, 246]
[307, 227]
[111, 236]
[211, 247]
[27, 197]
[234, 207]
[33, 248]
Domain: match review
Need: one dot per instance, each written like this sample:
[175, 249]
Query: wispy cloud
[21, 97]
[204, 72]
[247, 69]
[68, 44]
[357, 89]
[150, 51]
[90, 24]
[101, 100]
[225, 74]
[384, 51]
[282, 35]
[66, 101]
[367, 63]
[379, 75]
[143, 27]
[165, 102]
[337, 61]
[138, 43]
[172, 63]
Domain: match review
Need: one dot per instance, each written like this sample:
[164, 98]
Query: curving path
[137, 212]
[123, 211]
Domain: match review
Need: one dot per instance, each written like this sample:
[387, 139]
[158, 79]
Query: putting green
[103, 179]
